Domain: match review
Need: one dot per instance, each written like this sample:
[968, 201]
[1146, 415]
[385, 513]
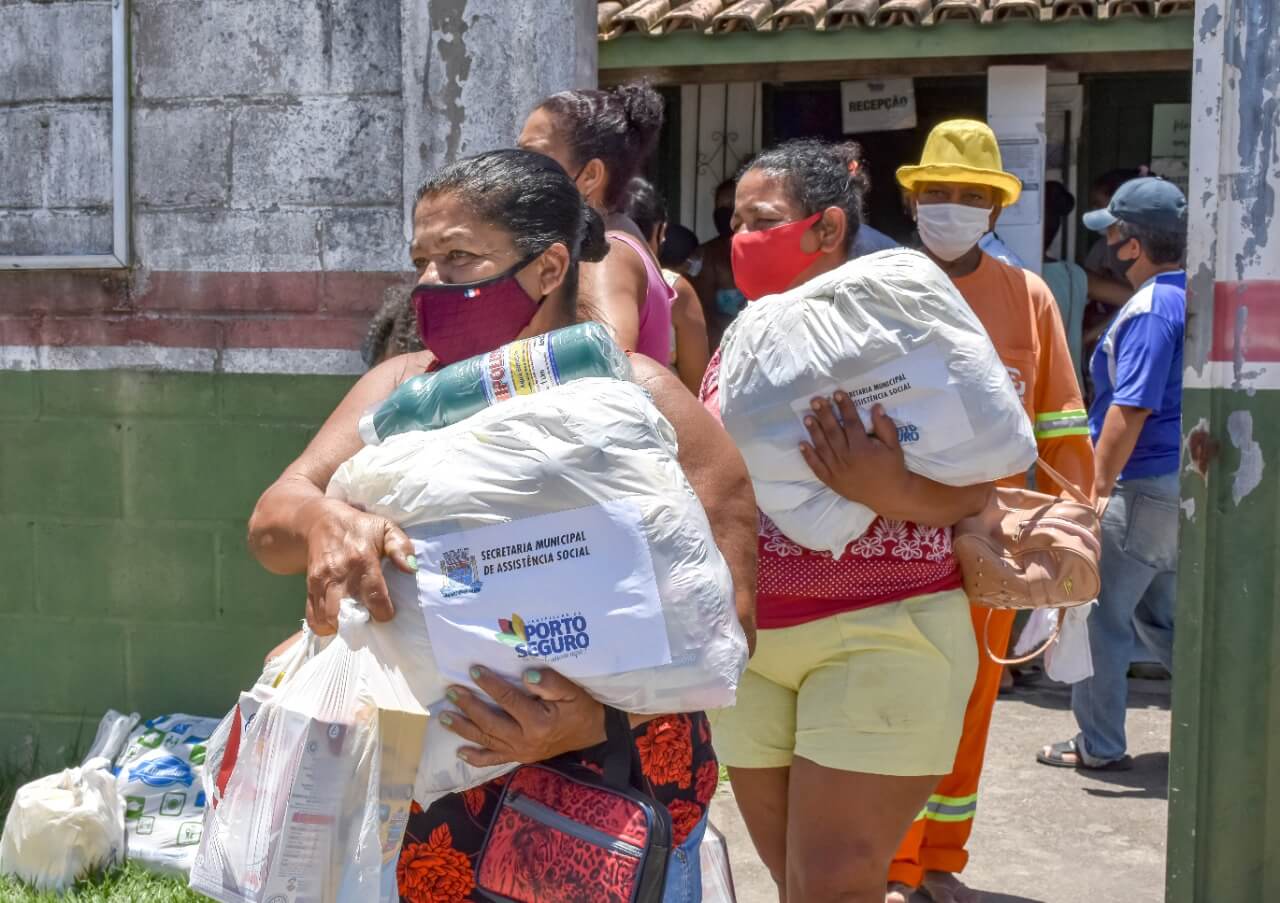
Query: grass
[129, 883]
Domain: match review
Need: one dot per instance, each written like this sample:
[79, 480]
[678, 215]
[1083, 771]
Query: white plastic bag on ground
[1068, 659]
[555, 529]
[316, 804]
[888, 328]
[64, 826]
[113, 733]
[158, 776]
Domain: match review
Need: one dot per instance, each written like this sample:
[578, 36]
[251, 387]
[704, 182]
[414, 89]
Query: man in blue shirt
[1135, 420]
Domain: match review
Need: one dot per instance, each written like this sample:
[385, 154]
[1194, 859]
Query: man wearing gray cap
[1135, 421]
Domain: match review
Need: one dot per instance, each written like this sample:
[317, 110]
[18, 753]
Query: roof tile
[801, 14]
[695, 15]
[905, 12]
[745, 15]
[643, 16]
[853, 14]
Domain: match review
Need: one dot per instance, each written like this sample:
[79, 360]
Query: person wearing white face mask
[956, 194]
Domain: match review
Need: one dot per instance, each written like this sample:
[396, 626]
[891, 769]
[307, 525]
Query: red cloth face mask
[768, 261]
[462, 319]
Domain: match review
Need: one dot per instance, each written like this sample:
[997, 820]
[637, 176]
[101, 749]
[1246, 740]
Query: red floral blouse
[437, 861]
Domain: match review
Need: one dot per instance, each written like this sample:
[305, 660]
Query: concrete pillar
[1224, 774]
[1016, 98]
[473, 69]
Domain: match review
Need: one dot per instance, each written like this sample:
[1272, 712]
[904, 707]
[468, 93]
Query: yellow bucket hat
[962, 150]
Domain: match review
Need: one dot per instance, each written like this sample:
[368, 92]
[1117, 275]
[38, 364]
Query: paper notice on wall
[915, 391]
[1024, 158]
[574, 590]
[878, 106]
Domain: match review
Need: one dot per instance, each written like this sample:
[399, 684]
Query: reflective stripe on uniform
[949, 808]
[1062, 423]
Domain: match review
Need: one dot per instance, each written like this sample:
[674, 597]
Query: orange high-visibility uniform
[1025, 326]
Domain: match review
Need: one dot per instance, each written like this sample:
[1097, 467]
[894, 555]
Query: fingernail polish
[815, 404]
[533, 677]
[412, 561]
[446, 719]
[477, 672]
[451, 695]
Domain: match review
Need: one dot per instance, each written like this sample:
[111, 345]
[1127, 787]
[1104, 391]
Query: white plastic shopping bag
[555, 529]
[717, 877]
[888, 328]
[64, 826]
[1068, 659]
[315, 806]
[158, 774]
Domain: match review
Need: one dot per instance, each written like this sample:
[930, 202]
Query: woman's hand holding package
[546, 716]
[871, 469]
[345, 548]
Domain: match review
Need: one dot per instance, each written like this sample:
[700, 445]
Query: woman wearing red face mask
[497, 241]
[854, 700]
[602, 139]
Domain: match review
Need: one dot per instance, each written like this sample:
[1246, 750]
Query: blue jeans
[1139, 577]
[684, 869]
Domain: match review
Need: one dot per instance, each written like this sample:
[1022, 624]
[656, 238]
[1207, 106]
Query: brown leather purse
[1031, 550]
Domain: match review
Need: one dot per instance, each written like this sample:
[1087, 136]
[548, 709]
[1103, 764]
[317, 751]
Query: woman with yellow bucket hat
[956, 194]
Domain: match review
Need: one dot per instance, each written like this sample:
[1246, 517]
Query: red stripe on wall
[1246, 314]
[193, 310]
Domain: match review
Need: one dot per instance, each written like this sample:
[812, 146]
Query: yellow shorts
[882, 690]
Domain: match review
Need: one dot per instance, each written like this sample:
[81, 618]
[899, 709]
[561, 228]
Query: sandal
[897, 892]
[1068, 755]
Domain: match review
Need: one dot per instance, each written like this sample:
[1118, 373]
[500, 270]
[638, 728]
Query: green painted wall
[1224, 767]
[125, 579]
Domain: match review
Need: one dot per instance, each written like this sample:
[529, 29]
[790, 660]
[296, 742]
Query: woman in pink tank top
[602, 139]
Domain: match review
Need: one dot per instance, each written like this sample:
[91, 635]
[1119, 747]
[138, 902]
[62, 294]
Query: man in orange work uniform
[957, 193]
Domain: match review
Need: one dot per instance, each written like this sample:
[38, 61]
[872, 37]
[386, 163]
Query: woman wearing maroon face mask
[854, 700]
[497, 241]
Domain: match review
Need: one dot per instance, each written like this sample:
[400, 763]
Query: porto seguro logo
[908, 432]
[461, 573]
[545, 637]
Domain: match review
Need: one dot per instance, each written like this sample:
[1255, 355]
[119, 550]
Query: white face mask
[951, 230]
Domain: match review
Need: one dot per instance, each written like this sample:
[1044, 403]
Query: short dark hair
[819, 174]
[1160, 246]
[619, 127]
[644, 206]
[530, 197]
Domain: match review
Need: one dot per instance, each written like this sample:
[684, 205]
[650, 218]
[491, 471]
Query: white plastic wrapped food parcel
[887, 328]
[555, 530]
[63, 826]
[316, 804]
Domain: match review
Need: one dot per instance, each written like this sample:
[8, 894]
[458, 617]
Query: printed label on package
[915, 391]
[520, 368]
[574, 590]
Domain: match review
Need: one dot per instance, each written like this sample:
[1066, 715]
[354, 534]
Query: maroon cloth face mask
[462, 319]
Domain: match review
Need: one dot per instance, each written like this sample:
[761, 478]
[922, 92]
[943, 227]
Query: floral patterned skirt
[437, 861]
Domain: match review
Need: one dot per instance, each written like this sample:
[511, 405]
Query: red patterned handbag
[563, 833]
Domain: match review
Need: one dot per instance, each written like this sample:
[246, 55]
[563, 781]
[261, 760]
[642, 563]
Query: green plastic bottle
[434, 400]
